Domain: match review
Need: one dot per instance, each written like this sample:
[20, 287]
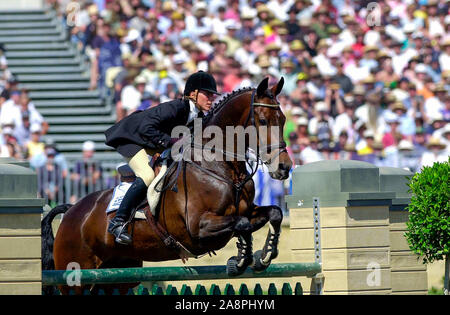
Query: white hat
[132, 35]
[436, 117]
[248, 13]
[259, 32]
[297, 111]
[88, 146]
[409, 28]
[7, 131]
[359, 124]
[35, 128]
[369, 134]
[231, 24]
[421, 68]
[179, 58]
[447, 19]
[391, 118]
[302, 121]
[446, 129]
[140, 79]
[405, 145]
[321, 107]
[200, 5]
[205, 30]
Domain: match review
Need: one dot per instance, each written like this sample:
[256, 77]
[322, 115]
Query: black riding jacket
[150, 128]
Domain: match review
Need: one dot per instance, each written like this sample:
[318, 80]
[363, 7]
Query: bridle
[250, 119]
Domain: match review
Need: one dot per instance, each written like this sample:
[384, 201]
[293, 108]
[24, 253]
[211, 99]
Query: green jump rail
[132, 275]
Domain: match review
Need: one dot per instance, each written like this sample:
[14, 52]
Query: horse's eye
[263, 122]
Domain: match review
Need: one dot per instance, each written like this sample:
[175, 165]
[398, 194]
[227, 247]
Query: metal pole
[318, 278]
[446, 278]
[130, 275]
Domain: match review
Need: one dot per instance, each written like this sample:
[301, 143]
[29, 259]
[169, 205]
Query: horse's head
[269, 121]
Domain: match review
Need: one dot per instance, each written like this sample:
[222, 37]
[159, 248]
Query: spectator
[419, 142]
[344, 121]
[35, 145]
[321, 124]
[108, 53]
[339, 148]
[132, 93]
[9, 145]
[311, 153]
[369, 137]
[87, 174]
[389, 138]
[30, 116]
[10, 109]
[436, 153]
[50, 149]
[51, 178]
[407, 159]
[302, 132]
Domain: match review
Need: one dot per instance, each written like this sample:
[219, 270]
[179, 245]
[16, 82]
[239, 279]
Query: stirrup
[118, 229]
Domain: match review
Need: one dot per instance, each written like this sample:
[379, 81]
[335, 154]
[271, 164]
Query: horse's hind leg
[274, 215]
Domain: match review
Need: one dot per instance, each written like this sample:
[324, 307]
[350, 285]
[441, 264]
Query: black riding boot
[131, 200]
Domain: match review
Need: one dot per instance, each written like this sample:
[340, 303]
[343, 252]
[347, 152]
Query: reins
[238, 187]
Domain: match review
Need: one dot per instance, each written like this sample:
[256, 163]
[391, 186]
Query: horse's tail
[47, 236]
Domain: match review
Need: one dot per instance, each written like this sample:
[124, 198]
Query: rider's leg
[135, 194]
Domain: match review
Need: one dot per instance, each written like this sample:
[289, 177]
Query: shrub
[428, 229]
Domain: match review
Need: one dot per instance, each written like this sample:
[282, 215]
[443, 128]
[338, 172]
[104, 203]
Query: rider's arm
[152, 126]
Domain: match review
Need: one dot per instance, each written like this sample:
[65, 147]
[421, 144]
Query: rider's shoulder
[179, 103]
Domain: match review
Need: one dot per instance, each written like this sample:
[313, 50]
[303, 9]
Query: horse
[212, 204]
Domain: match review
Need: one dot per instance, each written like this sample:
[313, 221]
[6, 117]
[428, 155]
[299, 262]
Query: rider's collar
[193, 111]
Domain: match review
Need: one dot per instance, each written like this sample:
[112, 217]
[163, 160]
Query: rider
[147, 132]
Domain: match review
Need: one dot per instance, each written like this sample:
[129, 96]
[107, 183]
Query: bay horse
[213, 204]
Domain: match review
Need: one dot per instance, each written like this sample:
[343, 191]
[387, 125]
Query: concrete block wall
[362, 218]
[20, 231]
[408, 273]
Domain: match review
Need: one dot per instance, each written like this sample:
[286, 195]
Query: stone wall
[362, 219]
[20, 230]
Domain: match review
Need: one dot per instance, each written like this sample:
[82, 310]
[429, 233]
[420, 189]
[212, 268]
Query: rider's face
[204, 99]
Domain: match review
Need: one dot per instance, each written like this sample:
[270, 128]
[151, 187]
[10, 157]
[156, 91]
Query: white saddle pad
[152, 195]
[118, 194]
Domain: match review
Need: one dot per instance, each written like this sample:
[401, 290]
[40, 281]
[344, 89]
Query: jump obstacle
[347, 220]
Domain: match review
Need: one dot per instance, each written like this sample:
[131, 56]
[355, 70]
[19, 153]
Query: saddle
[147, 210]
[161, 165]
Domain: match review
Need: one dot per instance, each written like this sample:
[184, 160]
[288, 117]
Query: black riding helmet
[201, 81]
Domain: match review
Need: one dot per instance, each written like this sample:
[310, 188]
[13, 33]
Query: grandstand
[47, 64]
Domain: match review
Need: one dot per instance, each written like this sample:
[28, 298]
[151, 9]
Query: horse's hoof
[259, 266]
[233, 268]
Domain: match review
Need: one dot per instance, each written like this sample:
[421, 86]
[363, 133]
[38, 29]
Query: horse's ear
[262, 87]
[277, 88]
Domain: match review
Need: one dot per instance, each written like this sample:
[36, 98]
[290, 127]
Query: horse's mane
[222, 101]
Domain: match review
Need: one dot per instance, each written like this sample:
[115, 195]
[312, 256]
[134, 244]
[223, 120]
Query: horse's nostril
[283, 167]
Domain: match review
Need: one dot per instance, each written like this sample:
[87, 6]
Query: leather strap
[166, 238]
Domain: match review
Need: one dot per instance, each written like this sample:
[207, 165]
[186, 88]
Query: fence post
[20, 230]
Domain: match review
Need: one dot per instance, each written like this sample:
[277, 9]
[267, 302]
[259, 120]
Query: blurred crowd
[21, 123]
[361, 82]
[22, 131]
[364, 80]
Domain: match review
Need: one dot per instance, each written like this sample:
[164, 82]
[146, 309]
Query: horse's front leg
[260, 216]
[236, 265]
[214, 227]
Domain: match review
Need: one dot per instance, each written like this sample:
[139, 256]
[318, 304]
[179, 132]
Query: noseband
[251, 117]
